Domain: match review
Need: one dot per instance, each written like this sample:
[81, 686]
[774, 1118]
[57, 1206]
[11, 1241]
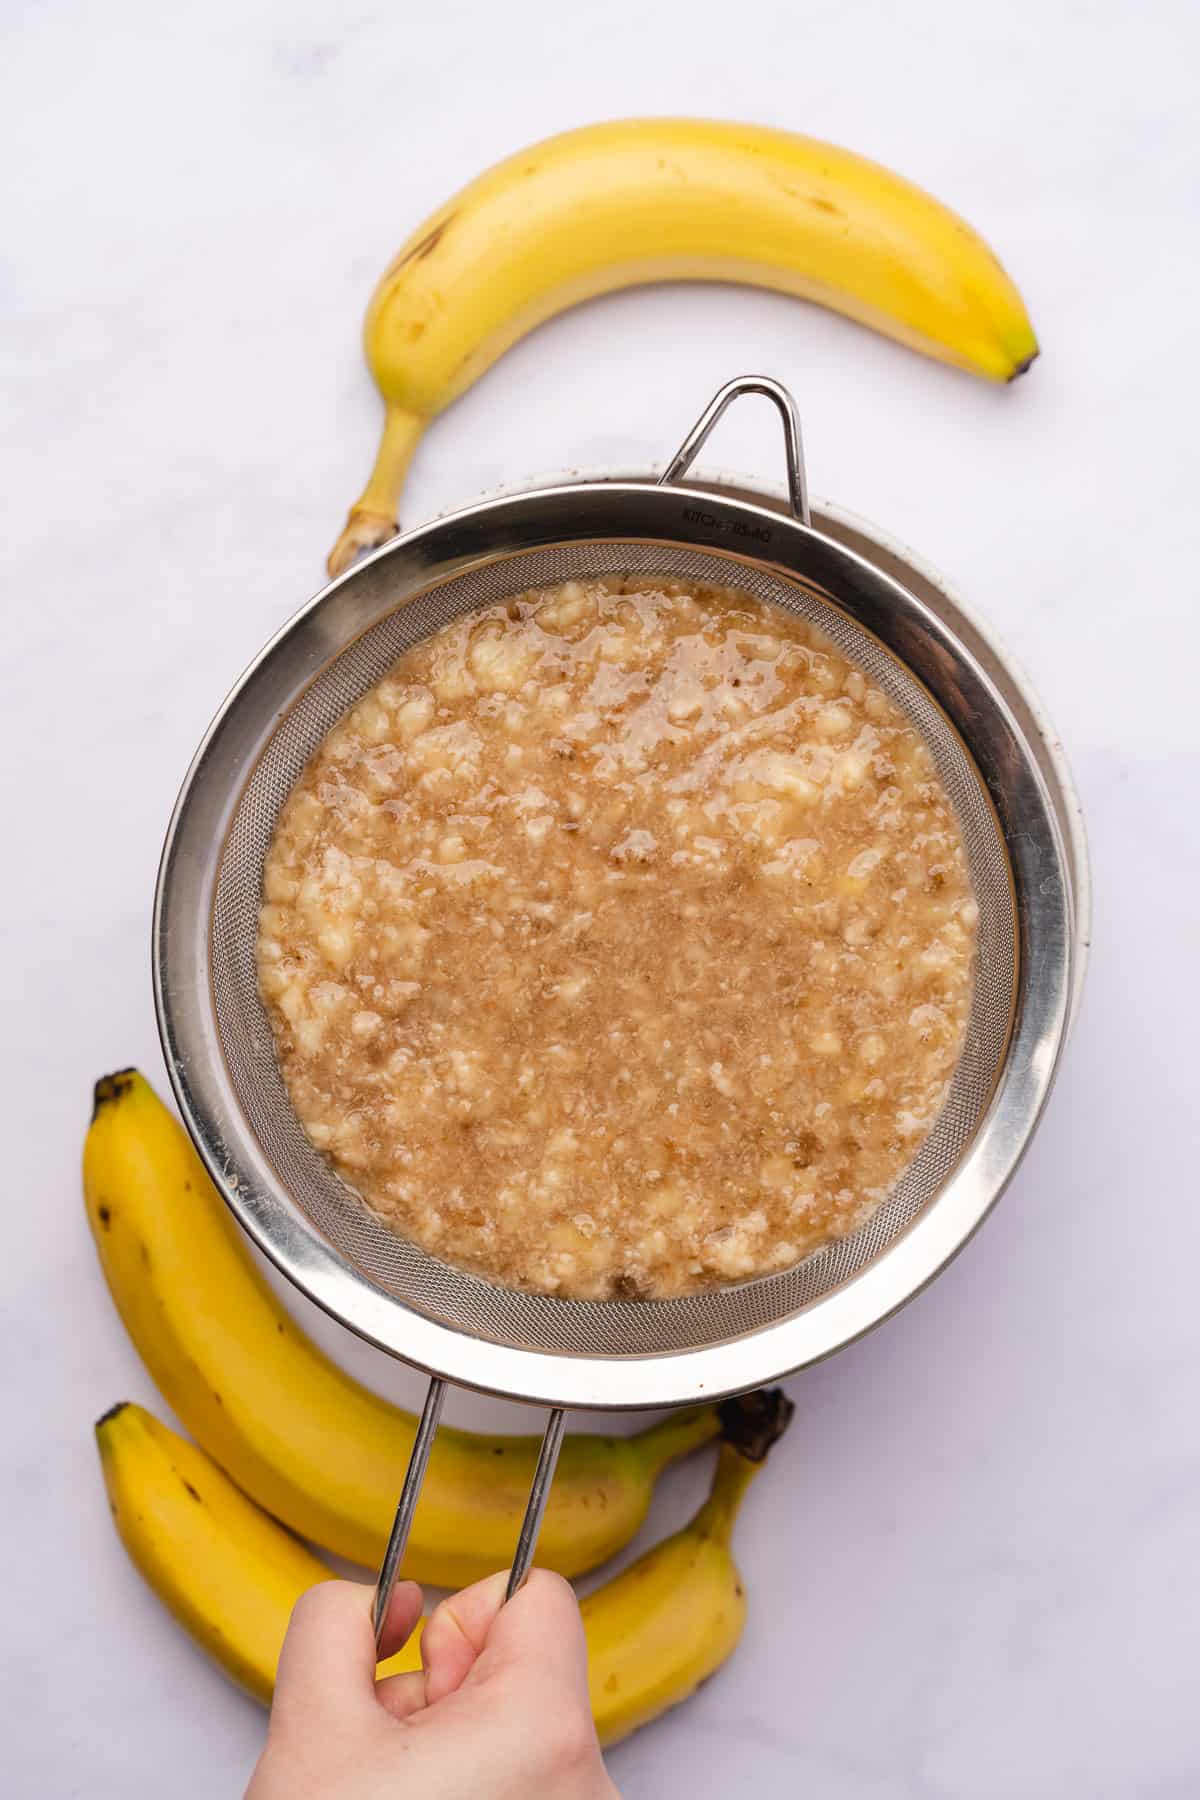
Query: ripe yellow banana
[642, 200]
[311, 1445]
[228, 1573]
[231, 1576]
[668, 1621]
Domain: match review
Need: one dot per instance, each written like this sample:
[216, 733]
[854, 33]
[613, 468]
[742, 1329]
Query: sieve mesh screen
[452, 1296]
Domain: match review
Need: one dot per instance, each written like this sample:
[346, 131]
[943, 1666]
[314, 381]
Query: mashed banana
[620, 941]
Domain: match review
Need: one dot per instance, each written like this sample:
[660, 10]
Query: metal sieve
[1026, 867]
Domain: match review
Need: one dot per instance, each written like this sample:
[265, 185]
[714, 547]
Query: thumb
[327, 1665]
[476, 1635]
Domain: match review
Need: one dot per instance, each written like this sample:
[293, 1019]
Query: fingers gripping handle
[406, 1506]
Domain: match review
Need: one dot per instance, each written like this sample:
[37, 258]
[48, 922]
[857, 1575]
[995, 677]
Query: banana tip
[111, 1087]
[1023, 367]
[111, 1414]
[753, 1422]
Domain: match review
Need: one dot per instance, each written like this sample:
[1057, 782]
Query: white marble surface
[973, 1568]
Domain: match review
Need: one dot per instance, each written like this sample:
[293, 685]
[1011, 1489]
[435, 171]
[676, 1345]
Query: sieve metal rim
[573, 512]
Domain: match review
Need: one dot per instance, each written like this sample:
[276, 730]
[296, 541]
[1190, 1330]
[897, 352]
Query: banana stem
[676, 1436]
[733, 1476]
[373, 517]
[750, 1424]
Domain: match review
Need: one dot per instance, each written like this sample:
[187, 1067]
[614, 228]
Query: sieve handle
[406, 1506]
[535, 1506]
[793, 444]
[410, 1493]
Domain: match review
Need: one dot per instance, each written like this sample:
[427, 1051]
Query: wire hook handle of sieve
[410, 1493]
[793, 444]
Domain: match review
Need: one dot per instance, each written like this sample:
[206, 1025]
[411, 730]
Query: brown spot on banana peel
[192, 1491]
[815, 200]
[424, 247]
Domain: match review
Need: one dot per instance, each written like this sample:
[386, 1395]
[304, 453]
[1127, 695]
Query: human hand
[499, 1710]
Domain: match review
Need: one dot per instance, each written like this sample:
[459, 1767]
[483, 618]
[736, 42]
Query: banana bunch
[231, 1575]
[642, 200]
[312, 1446]
[283, 1434]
